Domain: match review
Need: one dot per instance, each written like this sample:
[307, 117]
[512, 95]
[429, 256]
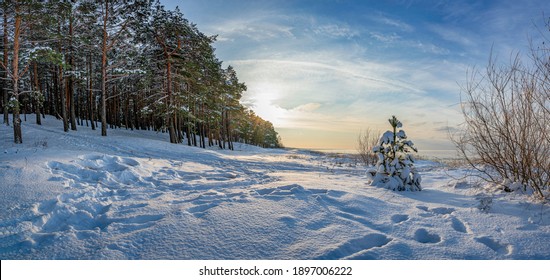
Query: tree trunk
[91, 100]
[63, 96]
[228, 130]
[188, 132]
[103, 93]
[135, 117]
[17, 134]
[51, 97]
[220, 137]
[104, 49]
[71, 97]
[169, 101]
[179, 130]
[5, 90]
[70, 87]
[126, 112]
[38, 96]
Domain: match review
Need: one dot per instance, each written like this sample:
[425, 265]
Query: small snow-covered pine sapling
[394, 168]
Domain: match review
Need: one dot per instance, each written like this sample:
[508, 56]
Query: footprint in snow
[422, 207]
[442, 210]
[288, 220]
[293, 190]
[430, 212]
[459, 226]
[503, 249]
[131, 208]
[399, 218]
[423, 236]
[355, 246]
[133, 223]
[528, 227]
[199, 210]
[221, 176]
[208, 200]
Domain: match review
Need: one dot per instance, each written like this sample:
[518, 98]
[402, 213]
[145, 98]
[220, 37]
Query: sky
[322, 71]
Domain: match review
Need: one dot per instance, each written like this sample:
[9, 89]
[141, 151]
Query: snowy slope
[132, 195]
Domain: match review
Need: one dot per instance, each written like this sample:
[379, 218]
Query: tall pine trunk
[91, 101]
[104, 49]
[170, 115]
[17, 134]
[5, 90]
[71, 97]
[63, 96]
[70, 87]
[38, 97]
[228, 130]
[103, 94]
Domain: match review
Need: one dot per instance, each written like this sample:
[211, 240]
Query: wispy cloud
[307, 108]
[320, 67]
[336, 31]
[453, 35]
[385, 38]
[392, 22]
[256, 28]
[428, 47]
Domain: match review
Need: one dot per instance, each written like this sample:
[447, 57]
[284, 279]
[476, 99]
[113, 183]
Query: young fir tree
[394, 169]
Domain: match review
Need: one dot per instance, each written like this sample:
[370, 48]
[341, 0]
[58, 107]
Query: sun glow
[263, 98]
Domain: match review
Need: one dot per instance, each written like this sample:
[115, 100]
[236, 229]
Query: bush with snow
[394, 169]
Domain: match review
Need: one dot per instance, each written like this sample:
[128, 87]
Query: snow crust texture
[132, 195]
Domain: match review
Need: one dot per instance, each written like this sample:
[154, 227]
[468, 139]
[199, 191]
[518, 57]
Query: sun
[263, 97]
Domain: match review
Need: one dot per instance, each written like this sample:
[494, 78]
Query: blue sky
[321, 71]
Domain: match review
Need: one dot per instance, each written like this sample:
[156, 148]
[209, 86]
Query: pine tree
[17, 29]
[169, 29]
[116, 16]
[394, 169]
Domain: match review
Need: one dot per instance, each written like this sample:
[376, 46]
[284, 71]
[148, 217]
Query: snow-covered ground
[132, 195]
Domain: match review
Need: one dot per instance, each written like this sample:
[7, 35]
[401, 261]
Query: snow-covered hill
[133, 195]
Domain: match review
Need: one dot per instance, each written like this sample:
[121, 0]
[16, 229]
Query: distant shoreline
[429, 154]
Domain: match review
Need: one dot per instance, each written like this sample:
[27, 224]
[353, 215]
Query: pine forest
[121, 65]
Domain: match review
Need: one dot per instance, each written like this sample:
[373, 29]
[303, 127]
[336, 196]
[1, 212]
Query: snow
[386, 138]
[133, 195]
[401, 134]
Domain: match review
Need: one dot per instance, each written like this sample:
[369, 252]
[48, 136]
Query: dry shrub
[506, 134]
[365, 142]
